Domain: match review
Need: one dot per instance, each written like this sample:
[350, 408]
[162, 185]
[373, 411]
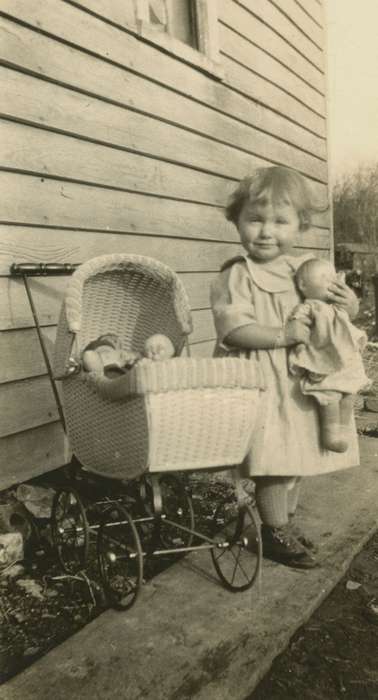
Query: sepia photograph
[189, 350]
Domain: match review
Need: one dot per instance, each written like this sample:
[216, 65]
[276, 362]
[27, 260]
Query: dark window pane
[182, 21]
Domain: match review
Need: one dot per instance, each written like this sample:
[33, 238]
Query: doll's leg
[346, 409]
[279, 543]
[333, 435]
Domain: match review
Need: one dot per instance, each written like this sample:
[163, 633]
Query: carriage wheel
[239, 563]
[176, 506]
[120, 558]
[70, 531]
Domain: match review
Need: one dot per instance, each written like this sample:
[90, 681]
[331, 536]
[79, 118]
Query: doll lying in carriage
[146, 419]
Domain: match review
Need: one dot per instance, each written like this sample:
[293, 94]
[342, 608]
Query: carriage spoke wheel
[70, 531]
[238, 557]
[177, 507]
[120, 558]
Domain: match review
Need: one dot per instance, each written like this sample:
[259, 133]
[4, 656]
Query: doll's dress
[286, 437]
[331, 364]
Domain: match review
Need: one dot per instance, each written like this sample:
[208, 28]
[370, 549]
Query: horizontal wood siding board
[47, 293]
[314, 9]
[281, 24]
[263, 65]
[28, 454]
[250, 85]
[29, 244]
[22, 353]
[15, 311]
[50, 106]
[120, 12]
[253, 27]
[73, 66]
[39, 201]
[26, 404]
[301, 17]
[87, 73]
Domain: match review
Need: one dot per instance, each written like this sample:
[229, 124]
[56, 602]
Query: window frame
[207, 56]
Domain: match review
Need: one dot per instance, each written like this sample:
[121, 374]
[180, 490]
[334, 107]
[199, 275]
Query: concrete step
[187, 637]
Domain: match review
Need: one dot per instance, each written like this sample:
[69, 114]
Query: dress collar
[277, 275]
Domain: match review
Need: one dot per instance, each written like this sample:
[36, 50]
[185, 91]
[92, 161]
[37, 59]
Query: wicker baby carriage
[181, 413]
[177, 414]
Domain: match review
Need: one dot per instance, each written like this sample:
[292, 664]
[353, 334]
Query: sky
[352, 27]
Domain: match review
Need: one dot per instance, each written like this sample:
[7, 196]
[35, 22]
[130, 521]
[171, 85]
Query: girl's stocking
[293, 495]
[271, 499]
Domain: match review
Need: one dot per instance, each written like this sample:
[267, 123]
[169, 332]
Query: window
[185, 28]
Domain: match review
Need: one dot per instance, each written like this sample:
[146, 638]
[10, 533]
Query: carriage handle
[25, 270]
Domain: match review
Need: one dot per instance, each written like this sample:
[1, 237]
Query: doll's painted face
[268, 229]
[158, 347]
[314, 278]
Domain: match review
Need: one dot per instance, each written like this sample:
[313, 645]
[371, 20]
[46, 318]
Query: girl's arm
[257, 337]
[339, 293]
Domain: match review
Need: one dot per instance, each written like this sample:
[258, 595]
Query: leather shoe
[280, 545]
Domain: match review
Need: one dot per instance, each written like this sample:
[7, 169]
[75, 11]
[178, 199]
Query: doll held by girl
[252, 300]
[330, 366]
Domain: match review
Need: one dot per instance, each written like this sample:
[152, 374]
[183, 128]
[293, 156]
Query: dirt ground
[335, 655]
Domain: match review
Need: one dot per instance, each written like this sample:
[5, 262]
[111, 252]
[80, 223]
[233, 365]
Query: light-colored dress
[285, 439]
[331, 364]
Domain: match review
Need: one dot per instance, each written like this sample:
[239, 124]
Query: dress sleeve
[232, 300]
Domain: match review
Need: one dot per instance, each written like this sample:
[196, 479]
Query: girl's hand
[339, 293]
[297, 332]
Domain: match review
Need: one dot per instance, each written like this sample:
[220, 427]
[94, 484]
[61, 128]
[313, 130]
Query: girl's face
[268, 230]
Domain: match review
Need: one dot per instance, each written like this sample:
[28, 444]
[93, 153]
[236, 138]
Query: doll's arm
[302, 312]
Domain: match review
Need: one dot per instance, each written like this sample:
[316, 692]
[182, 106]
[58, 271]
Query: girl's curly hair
[282, 185]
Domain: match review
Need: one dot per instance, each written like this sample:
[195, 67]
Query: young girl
[252, 300]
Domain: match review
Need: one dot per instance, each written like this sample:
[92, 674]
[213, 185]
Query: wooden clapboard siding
[106, 123]
[109, 144]
[21, 353]
[26, 404]
[110, 82]
[302, 18]
[31, 452]
[247, 24]
[277, 16]
[314, 9]
[85, 207]
[243, 51]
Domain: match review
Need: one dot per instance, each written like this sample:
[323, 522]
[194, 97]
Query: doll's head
[269, 209]
[104, 351]
[106, 355]
[158, 347]
[314, 277]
